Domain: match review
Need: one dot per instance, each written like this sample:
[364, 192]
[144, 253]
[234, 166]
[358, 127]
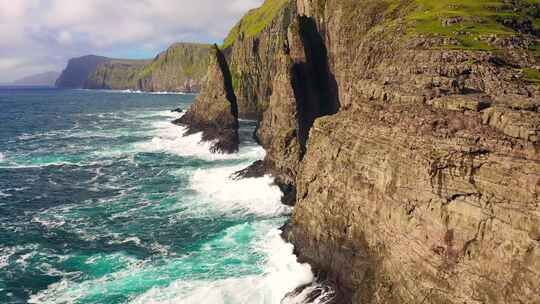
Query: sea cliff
[180, 68]
[78, 70]
[406, 134]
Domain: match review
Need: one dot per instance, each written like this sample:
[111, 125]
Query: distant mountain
[42, 79]
[78, 70]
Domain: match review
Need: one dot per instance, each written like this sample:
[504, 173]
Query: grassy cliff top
[255, 20]
[134, 62]
[191, 58]
[469, 21]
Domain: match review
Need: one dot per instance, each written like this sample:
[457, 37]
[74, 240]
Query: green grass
[531, 75]
[536, 50]
[255, 21]
[192, 60]
[479, 19]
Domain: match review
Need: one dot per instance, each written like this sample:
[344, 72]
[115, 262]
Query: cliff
[116, 74]
[181, 68]
[78, 70]
[407, 135]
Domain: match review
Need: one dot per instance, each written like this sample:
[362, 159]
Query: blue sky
[41, 35]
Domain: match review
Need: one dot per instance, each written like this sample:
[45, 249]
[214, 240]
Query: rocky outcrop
[78, 70]
[409, 145]
[215, 112]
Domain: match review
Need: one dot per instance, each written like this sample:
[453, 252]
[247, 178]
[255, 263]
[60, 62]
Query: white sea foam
[281, 274]
[3, 157]
[134, 240]
[169, 138]
[138, 92]
[5, 254]
[251, 195]
[151, 93]
[166, 113]
[49, 222]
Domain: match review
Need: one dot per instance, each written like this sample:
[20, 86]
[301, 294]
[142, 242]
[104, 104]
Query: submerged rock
[178, 110]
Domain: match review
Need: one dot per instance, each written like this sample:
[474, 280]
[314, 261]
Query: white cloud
[65, 37]
[10, 63]
[52, 31]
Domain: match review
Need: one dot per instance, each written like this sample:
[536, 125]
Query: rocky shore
[407, 138]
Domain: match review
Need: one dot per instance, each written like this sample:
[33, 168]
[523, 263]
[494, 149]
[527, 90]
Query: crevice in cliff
[227, 81]
[315, 87]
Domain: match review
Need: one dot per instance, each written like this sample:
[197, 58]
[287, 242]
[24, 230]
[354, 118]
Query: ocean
[102, 200]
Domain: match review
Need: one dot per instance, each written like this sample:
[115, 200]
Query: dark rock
[313, 293]
[257, 169]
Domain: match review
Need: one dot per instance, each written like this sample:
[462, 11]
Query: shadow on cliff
[227, 81]
[315, 87]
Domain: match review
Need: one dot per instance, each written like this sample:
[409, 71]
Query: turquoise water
[103, 201]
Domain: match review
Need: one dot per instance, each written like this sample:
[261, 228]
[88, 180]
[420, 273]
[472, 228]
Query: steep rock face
[215, 112]
[302, 91]
[78, 70]
[401, 205]
[253, 59]
[181, 68]
[424, 188]
[116, 74]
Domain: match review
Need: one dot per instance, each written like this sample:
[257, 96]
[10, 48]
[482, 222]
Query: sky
[41, 35]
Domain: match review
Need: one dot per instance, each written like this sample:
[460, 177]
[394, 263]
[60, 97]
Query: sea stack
[215, 113]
